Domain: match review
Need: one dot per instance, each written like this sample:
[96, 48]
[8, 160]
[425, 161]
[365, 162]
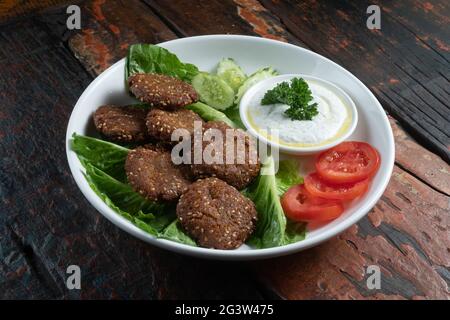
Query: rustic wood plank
[220, 17]
[109, 27]
[188, 18]
[406, 235]
[46, 223]
[423, 164]
[13, 9]
[407, 70]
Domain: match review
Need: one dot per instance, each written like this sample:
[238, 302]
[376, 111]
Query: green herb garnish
[296, 95]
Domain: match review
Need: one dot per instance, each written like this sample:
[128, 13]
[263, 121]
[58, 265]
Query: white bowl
[304, 150]
[251, 53]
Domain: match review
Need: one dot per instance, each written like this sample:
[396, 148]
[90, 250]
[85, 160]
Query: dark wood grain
[13, 9]
[406, 63]
[188, 18]
[45, 222]
[421, 163]
[110, 27]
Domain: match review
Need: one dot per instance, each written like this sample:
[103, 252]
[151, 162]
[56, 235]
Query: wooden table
[46, 224]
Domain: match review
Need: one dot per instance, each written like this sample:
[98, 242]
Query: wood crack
[36, 265]
[420, 179]
[167, 21]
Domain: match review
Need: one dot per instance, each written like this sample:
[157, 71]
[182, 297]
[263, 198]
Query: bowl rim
[77, 171]
[244, 105]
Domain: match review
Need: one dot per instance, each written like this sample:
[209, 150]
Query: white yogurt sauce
[330, 123]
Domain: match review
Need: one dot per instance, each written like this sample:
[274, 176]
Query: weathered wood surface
[13, 9]
[110, 27]
[406, 234]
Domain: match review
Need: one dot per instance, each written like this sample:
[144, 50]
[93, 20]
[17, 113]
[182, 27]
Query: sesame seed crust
[241, 172]
[161, 123]
[152, 174]
[216, 214]
[162, 91]
[121, 124]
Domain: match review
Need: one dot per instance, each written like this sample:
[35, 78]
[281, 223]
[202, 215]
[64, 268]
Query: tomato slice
[299, 205]
[349, 161]
[344, 191]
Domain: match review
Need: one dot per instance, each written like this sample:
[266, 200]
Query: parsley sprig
[296, 95]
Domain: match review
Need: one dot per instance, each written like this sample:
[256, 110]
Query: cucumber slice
[231, 73]
[210, 114]
[213, 91]
[256, 77]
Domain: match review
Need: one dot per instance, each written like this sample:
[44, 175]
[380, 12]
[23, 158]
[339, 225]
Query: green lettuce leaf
[148, 58]
[233, 114]
[295, 231]
[287, 176]
[156, 219]
[121, 194]
[208, 113]
[175, 233]
[104, 163]
[106, 156]
[272, 228]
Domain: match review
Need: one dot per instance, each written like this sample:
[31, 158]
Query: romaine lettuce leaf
[287, 176]
[148, 58]
[121, 194]
[295, 231]
[155, 218]
[233, 114]
[272, 228]
[110, 185]
[106, 156]
[175, 233]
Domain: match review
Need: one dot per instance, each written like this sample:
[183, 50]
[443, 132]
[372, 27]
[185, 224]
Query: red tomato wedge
[299, 205]
[318, 187]
[349, 161]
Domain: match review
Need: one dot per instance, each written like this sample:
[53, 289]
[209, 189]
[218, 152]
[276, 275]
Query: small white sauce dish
[250, 107]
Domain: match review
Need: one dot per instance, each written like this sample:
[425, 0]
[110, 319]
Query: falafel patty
[161, 123]
[216, 215]
[245, 166]
[152, 174]
[162, 91]
[121, 124]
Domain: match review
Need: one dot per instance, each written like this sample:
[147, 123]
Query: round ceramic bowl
[251, 53]
[256, 90]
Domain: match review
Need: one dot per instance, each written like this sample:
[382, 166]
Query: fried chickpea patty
[152, 174]
[121, 124]
[162, 91]
[216, 215]
[238, 173]
[161, 123]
